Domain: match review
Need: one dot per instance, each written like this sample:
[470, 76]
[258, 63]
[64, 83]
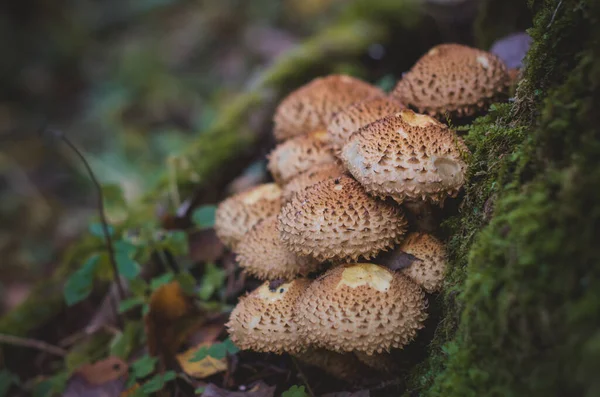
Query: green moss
[527, 319]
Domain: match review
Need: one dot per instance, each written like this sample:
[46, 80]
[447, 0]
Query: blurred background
[145, 88]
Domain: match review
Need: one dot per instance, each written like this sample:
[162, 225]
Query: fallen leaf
[204, 368]
[171, 318]
[260, 389]
[103, 371]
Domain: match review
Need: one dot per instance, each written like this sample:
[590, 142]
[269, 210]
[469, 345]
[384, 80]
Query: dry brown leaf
[171, 319]
[200, 369]
[103, 371]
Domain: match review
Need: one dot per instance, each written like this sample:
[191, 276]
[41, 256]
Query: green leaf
[204, 217]
[124, 342]
[127, 267]
[213, 280]
[143, 367]
[128, 304]
[176, 242]
[295, 391]
[96, 229]
[161, 280]
[80, 283]
[217, 350]
[200, 390]
[386, 83]
[125, 247]
[187, 282]
[157, 382]
[138, 287]
[7, 379]
[52, 386]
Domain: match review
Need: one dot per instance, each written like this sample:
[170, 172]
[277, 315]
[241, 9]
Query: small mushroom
[428, 269]
[264, 320]
[337, 220]
[299, 154]
[361, 307]
[407, 156]
[308, 178]
[236, 215]
[262, 254]
[358, 115]
[453, 78]
[311, 107]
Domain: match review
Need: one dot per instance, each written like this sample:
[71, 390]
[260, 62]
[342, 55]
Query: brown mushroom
[453, 79]
[236, 215]
[337, 220]
[262, 254]
[407, 156]
[361, 307]
[311, 107]
[264, 320]
[358, 115]
[298, 155]
[308, 178]
[429, 266]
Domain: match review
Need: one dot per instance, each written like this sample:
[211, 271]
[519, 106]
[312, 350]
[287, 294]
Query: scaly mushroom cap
[311, 107]
[453, 78]
[237, 214]
[337, 220]
[297, 155]
[262, 254]
[358, 115]
[407, 156]
[308, 178]
[264, 320]
[361, 307]
[427, 270]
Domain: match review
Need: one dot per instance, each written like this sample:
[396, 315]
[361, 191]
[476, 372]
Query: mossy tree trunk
[526, 244]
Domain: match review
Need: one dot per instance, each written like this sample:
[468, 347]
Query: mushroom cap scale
[407, 156]
[311, 107]
[308, 178]
[428, 270]
[236, 215]
[453, 78]
[297, 155]
[262, 254]
[357, 115]
[264, 320]
[361, 307]
[337, 220]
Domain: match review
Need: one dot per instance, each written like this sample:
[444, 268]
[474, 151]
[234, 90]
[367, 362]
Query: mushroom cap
[262, 254]
[453, 78]
[308, 178]
[264, 320]
[337, 220]
[237, 214]
[358, 115]
[361, 307]
[431, 260]
[407, 156]
[311, 107]
[299, 154]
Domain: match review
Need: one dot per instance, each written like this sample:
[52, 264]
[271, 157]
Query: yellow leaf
[200, 369]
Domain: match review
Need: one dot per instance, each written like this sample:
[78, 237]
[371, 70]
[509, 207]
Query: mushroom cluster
[350, 161]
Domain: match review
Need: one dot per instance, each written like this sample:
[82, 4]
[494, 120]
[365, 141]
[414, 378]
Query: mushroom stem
[422, 215]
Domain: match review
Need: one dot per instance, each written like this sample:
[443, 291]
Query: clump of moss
[527, 317]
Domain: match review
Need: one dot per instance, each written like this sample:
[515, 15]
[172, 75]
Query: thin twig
[103, 220]
[304, 378]
[35, 344]
[554, 14]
